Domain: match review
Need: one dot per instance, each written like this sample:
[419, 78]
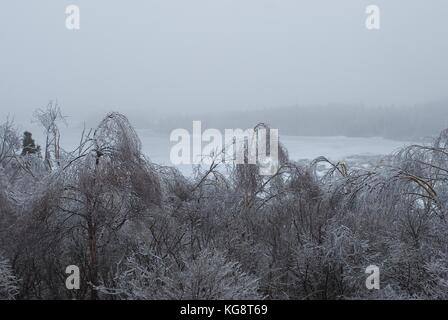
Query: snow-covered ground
[156, 146]
[355, 150]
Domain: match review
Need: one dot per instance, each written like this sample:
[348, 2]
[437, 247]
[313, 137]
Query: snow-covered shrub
[211, 276]
[207, 276]
[9, 287]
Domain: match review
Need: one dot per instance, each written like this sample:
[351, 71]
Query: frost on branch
[8, 282]
[207, 276]
[139, 230]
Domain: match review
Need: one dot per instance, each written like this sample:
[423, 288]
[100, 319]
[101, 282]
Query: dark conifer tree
[28, 144]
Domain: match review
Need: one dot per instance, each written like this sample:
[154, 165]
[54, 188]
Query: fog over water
[154, 58]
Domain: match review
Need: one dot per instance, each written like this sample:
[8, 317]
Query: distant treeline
[392, 122]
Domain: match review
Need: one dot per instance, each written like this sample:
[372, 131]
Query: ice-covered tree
[9, 287]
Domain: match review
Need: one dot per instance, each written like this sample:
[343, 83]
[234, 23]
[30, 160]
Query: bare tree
[9, 143]
[49, 118]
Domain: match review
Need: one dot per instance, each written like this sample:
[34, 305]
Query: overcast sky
[153, 56]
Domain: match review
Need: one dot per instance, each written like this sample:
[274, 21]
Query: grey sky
[157, 56]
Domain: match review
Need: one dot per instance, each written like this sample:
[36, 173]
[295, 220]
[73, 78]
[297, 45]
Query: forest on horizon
[409, 123]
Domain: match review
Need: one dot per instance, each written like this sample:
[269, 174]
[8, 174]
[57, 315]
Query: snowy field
[156, 146]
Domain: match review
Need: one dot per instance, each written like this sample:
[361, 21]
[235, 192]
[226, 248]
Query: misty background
[289, 63]
[356, 183]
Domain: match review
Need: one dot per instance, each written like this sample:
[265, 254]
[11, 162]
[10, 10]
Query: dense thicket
[142, 231]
